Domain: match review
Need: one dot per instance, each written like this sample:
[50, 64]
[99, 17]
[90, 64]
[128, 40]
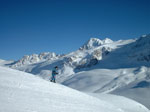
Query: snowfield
[119, 101]
[132, 83]
[24, 92]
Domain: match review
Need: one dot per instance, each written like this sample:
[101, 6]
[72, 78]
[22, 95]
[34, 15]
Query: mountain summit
[95, 42]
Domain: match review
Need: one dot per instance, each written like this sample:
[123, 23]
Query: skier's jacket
[54, 73]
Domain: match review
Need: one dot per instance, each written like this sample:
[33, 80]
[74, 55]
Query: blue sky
[62, 26]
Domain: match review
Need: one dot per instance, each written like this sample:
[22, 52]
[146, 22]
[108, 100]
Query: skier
[54, 73]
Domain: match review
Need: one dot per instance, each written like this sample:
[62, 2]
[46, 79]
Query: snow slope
[118, 101]
[133, 83]
[23, 92]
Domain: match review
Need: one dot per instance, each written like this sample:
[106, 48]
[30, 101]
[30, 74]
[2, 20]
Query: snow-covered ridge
[77, 59]
[107, 40]
[95, 42]
[87, 56]
[23, 92]
[35, 58]
[140, 50]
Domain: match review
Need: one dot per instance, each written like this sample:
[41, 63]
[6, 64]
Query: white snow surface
[133, 83]
[119, 101]
[23, 92]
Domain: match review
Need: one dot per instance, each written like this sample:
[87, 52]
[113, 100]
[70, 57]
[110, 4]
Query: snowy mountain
[99, 66]
[141, 49]
[87, 56]
[125, 71]
[24, 92]
[95, 42]
[35, 58]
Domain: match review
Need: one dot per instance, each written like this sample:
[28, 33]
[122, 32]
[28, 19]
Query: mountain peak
[91, 43]
[107, 40]
[95, 42]
[35, 58]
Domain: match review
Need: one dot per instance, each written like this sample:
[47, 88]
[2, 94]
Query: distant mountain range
[85, 57]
